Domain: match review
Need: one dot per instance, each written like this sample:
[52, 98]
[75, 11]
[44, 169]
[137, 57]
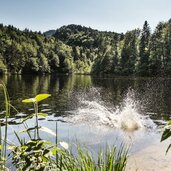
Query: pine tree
[143, 68]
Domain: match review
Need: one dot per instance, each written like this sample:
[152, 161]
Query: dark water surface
[95, 110]
[153, 94]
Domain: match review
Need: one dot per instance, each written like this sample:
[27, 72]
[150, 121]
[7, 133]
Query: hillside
[49, 33]
[78, 49]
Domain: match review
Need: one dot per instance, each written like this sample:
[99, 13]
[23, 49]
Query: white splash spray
[128, 116]
[95, 113]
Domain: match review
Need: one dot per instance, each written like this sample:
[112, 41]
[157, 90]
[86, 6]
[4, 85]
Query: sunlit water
[99, 112]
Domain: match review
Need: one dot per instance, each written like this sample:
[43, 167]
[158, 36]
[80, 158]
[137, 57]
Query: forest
[75, 49]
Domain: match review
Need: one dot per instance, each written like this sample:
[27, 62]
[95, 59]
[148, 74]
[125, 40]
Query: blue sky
[110, 15]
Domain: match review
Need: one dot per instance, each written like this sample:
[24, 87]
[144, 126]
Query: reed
[112, 159]
[3, 139]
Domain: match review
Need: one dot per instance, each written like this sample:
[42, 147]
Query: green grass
[112, 159]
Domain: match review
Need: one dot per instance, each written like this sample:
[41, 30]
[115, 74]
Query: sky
[105, 15]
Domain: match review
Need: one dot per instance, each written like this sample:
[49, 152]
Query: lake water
[99, 111]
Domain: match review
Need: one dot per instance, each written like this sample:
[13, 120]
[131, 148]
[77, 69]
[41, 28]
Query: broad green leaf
[41, 97]
[33, 141]
[45, 159]
[43, 114]
[38, 98]
[169, 122]
[24, 147]
[45, 129]
[0, 147]
[56, 149]
[46, 152]
[166, 134]
[48, 143]
[31, 100]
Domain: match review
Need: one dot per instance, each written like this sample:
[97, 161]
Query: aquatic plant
[35, 153]
[167, 134]
[110, 160]
[35, 101]
[3, 140]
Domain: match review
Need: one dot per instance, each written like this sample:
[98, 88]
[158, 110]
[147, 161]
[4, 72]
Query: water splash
[93, 111]
[128, 116]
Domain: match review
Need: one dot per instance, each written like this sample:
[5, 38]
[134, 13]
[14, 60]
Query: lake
[99, 111]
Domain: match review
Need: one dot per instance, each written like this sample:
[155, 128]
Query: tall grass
[112, 159]
[3, 140]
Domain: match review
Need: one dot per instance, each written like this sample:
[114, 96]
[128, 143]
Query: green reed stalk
[0, 139]
[37, 122]
[7, 108]
[112, 159]
[56, 144]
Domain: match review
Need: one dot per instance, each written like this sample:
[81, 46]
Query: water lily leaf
[31, 100]
[41, 97]
[45, 129]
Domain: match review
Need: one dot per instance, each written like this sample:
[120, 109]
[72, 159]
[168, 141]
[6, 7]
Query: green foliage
[82, 50]
[111, 160]
[143, 67]
[32, 155]
[38, 98]
[137, 52]
[2, 65]
[3, 140]
[35, 101]
[35, 153]
[167, 134]
[129, 52]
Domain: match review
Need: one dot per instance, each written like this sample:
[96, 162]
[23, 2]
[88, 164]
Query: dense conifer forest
[82, 50]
